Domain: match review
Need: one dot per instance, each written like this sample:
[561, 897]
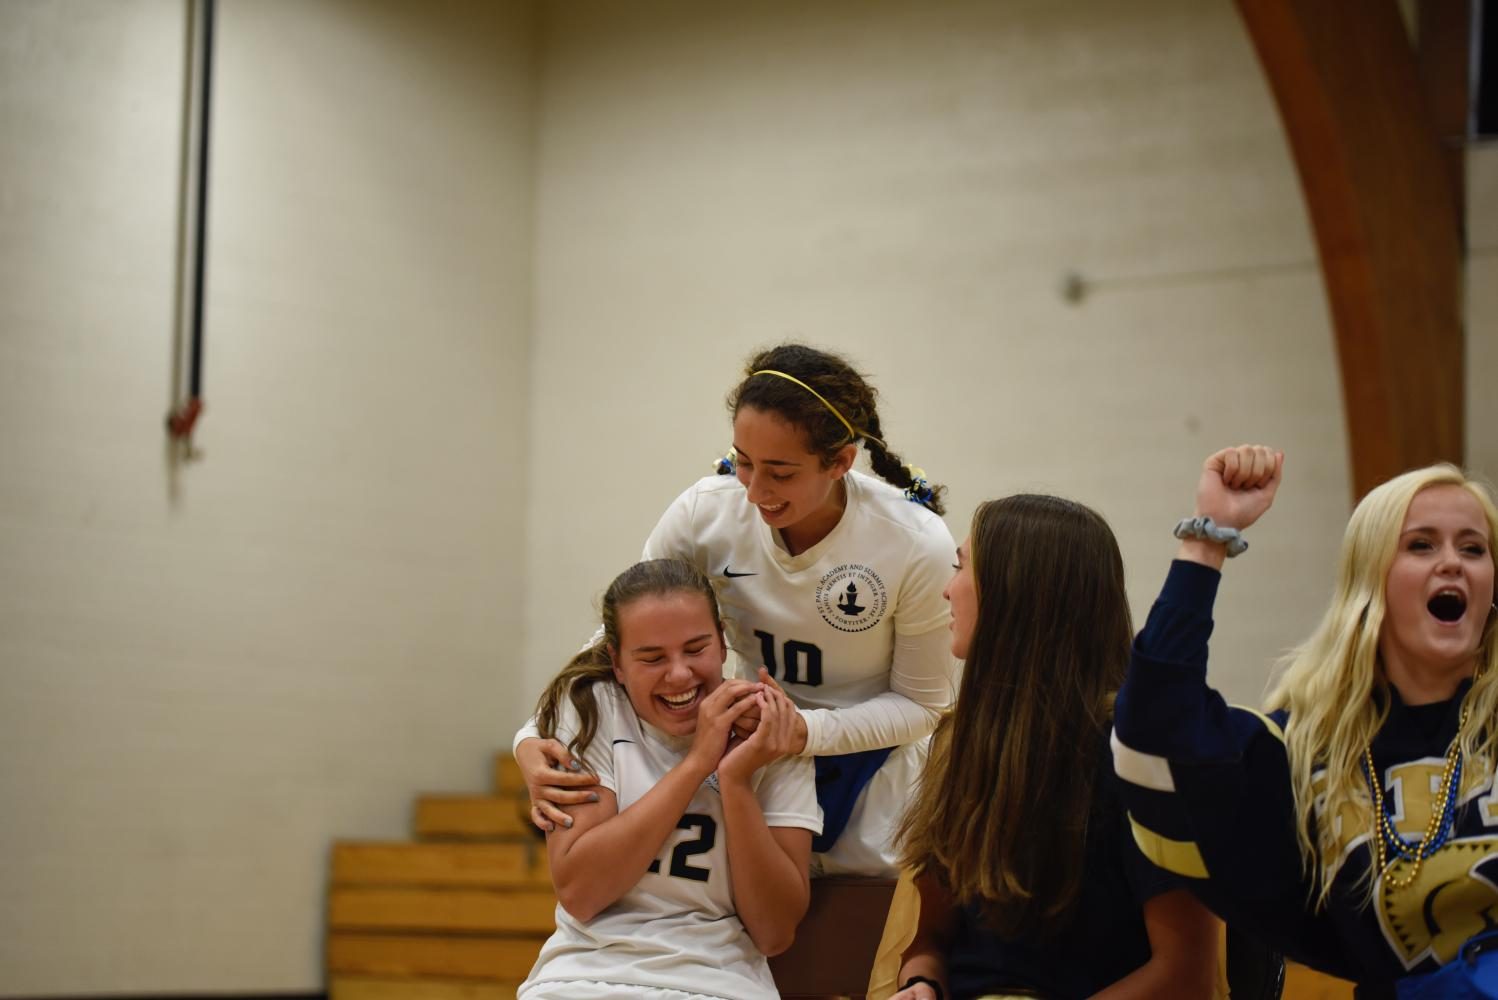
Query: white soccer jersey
[856, 623]
[677, 928]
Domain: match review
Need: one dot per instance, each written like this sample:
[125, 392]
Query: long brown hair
[1002, 810]
[835, 380]
[652, 578]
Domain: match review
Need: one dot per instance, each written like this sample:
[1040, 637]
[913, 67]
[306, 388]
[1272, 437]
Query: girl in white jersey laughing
[688, 863]
[830, 582]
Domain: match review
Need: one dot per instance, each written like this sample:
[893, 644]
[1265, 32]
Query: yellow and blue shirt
[1209, 797]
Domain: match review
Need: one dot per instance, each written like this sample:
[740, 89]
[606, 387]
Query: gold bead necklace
[1437, 829]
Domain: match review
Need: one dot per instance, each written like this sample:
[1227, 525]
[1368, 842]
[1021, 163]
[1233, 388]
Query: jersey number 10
[798, 654]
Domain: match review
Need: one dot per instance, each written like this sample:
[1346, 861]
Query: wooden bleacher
[457, 913]
[460, 911]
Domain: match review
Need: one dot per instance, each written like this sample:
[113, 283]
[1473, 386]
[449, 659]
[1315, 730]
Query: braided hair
[831, 377]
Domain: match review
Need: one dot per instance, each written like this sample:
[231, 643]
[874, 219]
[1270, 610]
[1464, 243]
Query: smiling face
[670, 656]
[788, 484]
[962, 595]
[1439, 593]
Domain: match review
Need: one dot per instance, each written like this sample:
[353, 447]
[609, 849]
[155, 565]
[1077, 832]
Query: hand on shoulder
[554, 777]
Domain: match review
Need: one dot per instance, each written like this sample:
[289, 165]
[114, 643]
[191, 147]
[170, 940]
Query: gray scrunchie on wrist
[1207, 529]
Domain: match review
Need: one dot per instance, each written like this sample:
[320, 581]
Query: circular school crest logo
[852, 598]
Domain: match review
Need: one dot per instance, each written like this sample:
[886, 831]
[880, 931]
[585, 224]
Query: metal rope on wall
[188, 371]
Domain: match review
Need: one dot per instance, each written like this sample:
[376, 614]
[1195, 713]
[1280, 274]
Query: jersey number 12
[707, 835]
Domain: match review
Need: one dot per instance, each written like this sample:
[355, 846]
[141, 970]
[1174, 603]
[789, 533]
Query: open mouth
[1447, 606]
[772, 508]
[684, 700]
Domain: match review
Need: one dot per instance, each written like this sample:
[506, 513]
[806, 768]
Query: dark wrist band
[935, 986]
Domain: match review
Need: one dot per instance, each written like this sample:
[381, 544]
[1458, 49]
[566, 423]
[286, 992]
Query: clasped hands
[741, 726]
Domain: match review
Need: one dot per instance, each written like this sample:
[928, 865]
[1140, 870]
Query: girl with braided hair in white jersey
[688, 864]
[831, 586]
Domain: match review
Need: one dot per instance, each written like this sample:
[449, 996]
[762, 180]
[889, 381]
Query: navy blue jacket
[1209, 797]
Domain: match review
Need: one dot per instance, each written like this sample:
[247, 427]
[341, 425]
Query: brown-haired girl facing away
[687, 864]
[1029, 879]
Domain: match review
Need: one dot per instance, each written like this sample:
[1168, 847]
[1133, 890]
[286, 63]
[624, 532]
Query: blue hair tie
[919, 491]
[727, 465]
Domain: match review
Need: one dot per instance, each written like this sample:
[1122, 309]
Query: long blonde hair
[1327, 683]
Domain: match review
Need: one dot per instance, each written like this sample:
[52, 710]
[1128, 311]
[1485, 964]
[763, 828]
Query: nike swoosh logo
[731, 574]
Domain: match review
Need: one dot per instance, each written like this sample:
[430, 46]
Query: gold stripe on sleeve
[1178, 856]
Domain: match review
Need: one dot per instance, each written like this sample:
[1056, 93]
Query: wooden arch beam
[1384, 211]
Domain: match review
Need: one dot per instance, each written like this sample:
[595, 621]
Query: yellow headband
[852, 432]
